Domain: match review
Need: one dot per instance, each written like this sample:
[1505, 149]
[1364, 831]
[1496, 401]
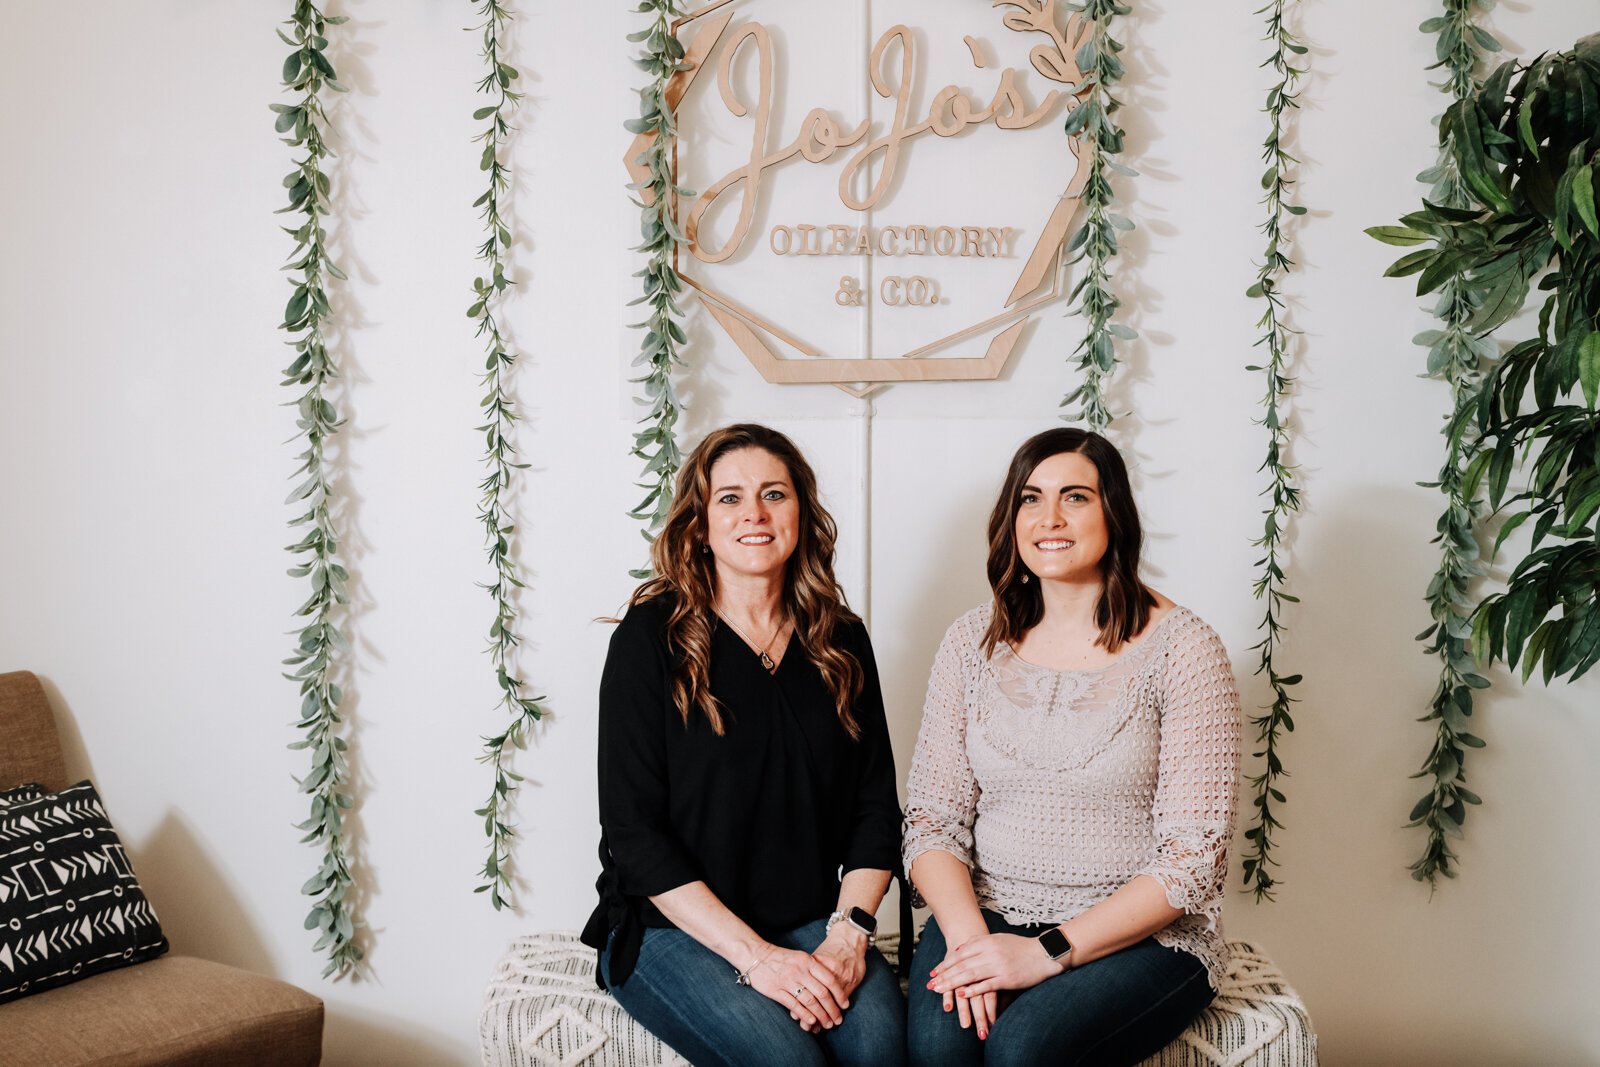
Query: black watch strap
[1055, 943]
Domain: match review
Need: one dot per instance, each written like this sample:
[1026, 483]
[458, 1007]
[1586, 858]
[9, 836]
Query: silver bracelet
[743, 977]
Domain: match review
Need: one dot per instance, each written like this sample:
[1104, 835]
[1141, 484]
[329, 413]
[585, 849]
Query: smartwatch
[860, 918]
[1055, 944]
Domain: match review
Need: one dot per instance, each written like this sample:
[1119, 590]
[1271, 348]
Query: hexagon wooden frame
[756, 335]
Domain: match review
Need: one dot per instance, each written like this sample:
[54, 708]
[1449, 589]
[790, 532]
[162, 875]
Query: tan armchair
[175, 1011]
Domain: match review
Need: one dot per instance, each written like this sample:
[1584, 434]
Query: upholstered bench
[542, 1009]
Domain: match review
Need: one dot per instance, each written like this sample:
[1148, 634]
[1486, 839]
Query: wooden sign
[940, 230]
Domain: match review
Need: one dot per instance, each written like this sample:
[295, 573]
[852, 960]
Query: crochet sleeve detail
[1197, 783]
[941, 791]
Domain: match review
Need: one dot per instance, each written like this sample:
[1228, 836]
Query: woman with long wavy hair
[1072, 793]
[748, 812]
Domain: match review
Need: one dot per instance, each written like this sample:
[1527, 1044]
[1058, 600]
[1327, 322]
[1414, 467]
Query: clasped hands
[814, 986]
[978, 969]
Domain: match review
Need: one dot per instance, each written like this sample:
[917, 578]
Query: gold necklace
[766, 660]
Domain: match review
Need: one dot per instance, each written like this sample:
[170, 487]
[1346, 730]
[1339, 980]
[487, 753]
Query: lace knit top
[1057, 788]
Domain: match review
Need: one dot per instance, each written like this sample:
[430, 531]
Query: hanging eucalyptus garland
[500, 418]
[1282, 490]
[1091, 119]
[657, 443]
[319, 652]
[1457, 353]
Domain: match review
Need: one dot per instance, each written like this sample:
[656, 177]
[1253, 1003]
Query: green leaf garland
[500, 419]
[657, 444]
[1282, 491]
[320, 650]
[1095, 242]
[1457, 352]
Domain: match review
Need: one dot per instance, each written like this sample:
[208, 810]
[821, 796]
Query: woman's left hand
[991, 963]
[844, 953]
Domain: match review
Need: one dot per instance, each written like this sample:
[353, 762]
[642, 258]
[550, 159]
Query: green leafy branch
[1530, 154]
[1523, 160]
[657, 443]
[499, 412]
[1457, 351]
[1095, 242]
[1282, 490]
[321, 646]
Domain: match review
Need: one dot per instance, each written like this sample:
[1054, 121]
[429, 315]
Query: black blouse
[769, 815]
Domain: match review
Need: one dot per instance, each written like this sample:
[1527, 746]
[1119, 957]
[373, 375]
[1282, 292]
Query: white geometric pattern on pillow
[70, 906]
[31, 791]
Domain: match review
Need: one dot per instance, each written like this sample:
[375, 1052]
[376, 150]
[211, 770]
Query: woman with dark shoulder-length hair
[748, 813]
[1072, 792]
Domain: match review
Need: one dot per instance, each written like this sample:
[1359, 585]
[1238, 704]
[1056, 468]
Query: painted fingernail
[983, 1035]
[930, 984]
[961, 992]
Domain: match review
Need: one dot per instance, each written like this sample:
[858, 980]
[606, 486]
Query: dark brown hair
[1125, 601]
[812, 596]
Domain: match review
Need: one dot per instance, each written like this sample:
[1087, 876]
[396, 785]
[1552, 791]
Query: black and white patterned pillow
[31, 791]
[69, 904]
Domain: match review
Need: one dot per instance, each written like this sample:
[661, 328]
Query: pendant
[766, 661]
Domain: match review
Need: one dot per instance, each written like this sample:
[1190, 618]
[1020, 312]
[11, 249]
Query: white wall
[144, 465]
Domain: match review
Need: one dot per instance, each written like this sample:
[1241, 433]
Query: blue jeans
[684, 993]
[1117, 1010]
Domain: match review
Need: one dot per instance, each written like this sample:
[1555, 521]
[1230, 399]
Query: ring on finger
[798, 991]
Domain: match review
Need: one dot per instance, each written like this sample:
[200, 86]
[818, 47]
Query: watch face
[1055, 943]
[864, 919]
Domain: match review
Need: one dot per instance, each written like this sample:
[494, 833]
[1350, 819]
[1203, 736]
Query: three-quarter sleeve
[1197, 783]
[874, 841]
[941, 791]
[648, 857]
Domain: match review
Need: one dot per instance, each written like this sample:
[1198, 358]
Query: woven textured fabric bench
[542, 1009]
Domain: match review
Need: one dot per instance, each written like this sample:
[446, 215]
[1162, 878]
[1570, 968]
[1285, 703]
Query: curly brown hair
[812, 596]
[1125, 601]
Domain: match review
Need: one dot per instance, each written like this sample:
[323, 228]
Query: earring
[1025, 577]
[705, 549]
